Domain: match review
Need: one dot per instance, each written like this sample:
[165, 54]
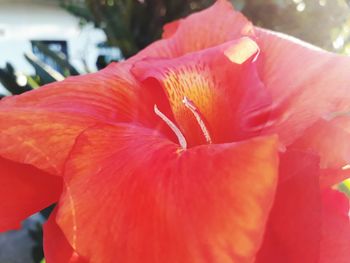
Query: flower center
[199, 118]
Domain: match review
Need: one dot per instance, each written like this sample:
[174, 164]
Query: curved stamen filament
[190, 105]
[173, 127]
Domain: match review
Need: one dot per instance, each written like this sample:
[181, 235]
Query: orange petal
[210, 27]
[40, 127]
[39, 137]
[140, 198]
[56, 246]
[24, 191]
[223, 85]
[306, 82]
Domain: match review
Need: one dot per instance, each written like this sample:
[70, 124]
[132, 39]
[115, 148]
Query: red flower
[219, 143]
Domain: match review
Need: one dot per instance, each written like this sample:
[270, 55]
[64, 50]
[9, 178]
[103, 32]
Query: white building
[22, 21]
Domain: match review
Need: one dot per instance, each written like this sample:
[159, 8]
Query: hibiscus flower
[222, 142]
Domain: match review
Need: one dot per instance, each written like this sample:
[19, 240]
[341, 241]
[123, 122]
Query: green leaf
[45, 72]
[345, 187]
[59, 58]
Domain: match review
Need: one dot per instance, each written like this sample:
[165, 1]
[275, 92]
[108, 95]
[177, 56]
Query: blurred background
[42, 41]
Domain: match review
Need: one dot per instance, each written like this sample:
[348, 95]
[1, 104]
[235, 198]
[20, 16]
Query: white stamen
[190, 105]
[172, 126]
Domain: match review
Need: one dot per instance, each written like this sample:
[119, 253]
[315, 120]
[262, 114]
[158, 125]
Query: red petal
[141, 198]
[208, 28]
[24, 190]
[221, 82]
[40, 127]
[341, 119]
[170, 28]
[329, 141]
[335, 145]
[331, 177]
[56, 246]
[332, 143]
[293, 231]
[306, 225]
[335, 242]
[305, 82]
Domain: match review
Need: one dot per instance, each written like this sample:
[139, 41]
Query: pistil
[173, 127]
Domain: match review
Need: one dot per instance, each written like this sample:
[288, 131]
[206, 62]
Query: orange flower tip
[242, 50]
[346, 167]
[181, 138]
[190, 105]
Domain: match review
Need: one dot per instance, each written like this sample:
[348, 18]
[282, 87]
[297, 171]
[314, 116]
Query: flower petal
[170, 28]
[143, 199]
[56, 247]
[293, 232]
[335, 243]
[40, 127]
[332, 143]
[331, 177]
[39, 137]
[223, 85]
[305, 225]
[213, 26]
[306, 82]
[24, 190]
[328, 140]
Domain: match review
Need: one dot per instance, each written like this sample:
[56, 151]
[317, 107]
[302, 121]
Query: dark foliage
[133, 24]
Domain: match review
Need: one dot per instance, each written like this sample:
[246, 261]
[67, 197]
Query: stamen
[172, 126]
[190, 105]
